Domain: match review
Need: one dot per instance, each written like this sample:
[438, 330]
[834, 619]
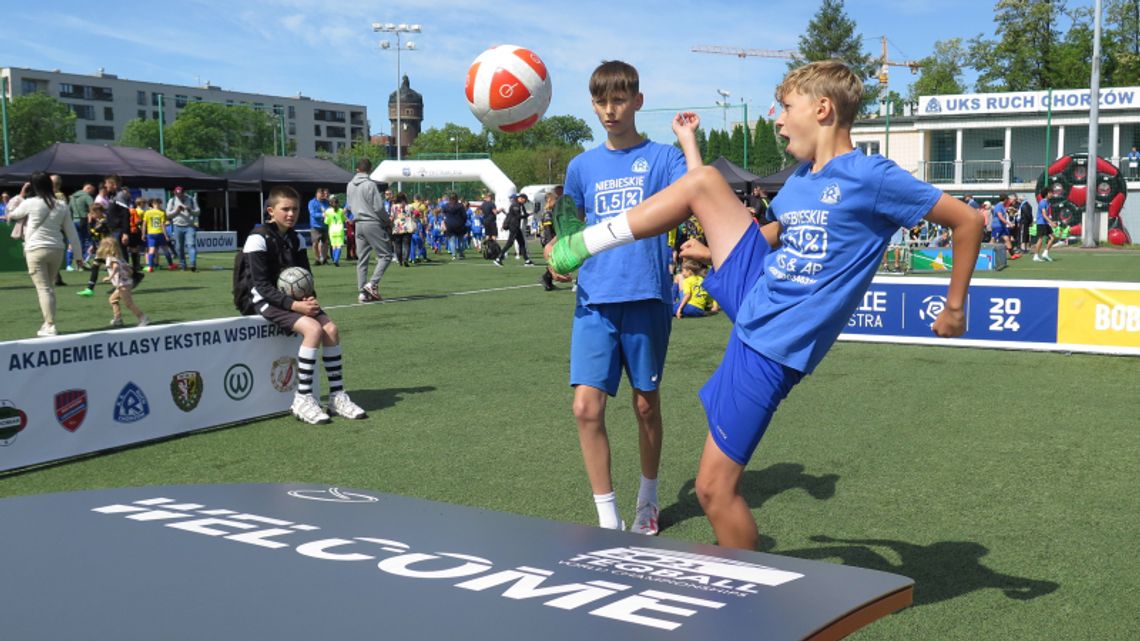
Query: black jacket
[280, 251]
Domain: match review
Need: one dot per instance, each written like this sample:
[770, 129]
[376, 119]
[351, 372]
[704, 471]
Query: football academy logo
[71, 408]
[283, 374]
[931, 307]
[640, 166]
[830, 194]
[131, 405]
[238, 381]
[186, 390]
[333, 495]
[13, 420]
[933, 106]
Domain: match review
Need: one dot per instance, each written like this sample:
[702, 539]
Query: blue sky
[328, 51]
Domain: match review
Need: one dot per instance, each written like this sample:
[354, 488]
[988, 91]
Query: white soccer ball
[508, 88]
[296, 282]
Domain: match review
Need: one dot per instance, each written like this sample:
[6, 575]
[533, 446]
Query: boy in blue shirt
[791, 286]
[623, 316]
[1045, 226]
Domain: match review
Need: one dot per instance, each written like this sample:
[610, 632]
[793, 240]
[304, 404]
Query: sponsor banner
[83, 393]
[941, 259]
[1013, 314]
[355, 564]
[216, 241]
[1096, 316]
[1111, 98]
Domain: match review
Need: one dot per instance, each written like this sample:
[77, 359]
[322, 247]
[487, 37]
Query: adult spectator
[1025, 213]
[514, 223]
[182, 213]
[318, 232]
[490, 216]
[80, 204]
[758, 204]
[373, 230]
[455, 225]
[403, 226]
[4, 198]
[48, 230]
[1134, 164]
[119, 220]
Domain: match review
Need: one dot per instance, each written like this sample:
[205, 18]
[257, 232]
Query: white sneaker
[341, 405]
[116, 322]
[307, 409]
[645, 521]
[1038, 259]
[144, 321]
[1047, 258]
[369, 294]
[47, 329]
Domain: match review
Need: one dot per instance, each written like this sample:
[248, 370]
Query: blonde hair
[831, 79]
[551, 198]
[108, 247]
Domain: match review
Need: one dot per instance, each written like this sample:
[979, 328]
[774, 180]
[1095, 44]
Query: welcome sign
[1113, 98]
[303, 562]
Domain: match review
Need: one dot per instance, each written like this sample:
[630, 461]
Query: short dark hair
[364, 165]
[282, 192]
[614, 76]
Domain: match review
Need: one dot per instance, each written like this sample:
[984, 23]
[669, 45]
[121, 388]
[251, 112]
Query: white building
[104, 104]
[986, 144]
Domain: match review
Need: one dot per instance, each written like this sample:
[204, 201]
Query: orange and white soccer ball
[508, 88]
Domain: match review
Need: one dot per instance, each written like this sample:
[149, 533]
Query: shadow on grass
[941, 571]
[757, 486]
[373, 400]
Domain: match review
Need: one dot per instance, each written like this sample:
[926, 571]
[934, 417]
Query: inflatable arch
[445, 171]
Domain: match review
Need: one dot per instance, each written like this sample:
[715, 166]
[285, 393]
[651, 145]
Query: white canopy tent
[439, 171]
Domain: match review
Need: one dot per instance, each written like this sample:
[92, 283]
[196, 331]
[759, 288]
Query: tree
[553, 131]
[1121, 42]
[831, 35]
[767, 157]
[140, 132]
[1021, 57]
[37, 121]
[443, 140]
[941, 71]
[208, 130]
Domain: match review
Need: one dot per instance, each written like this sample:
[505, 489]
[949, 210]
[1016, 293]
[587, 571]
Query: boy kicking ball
[791, 286]
[269, 249]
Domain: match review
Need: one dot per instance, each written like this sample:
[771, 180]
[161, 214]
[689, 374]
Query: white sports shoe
[645, 521]
[341, 405]
[47, 329]
[1038, 259]
[307, 409]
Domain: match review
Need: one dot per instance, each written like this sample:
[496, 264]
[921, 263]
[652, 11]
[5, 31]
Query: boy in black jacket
[269, 249]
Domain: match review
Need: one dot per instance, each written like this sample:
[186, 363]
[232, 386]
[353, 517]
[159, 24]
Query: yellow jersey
[698, 297]
[154, 221]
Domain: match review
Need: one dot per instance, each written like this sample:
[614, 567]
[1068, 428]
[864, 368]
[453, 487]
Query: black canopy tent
[78, 163]
[306, 175]
[739, 178]
[773, 182]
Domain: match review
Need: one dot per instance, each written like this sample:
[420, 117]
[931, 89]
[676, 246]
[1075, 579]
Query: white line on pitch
[405, 299]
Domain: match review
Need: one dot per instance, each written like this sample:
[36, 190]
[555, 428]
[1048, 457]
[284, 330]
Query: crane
[787, 54]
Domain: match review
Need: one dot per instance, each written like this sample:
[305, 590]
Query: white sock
[647, 493]
[608, 234]
[607, 511]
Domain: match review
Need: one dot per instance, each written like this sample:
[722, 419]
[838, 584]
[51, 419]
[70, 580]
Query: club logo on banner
[333, 495]
[238, 381]
[71, 408]
[13, 420]
[131, 406]
[283, 374]
[186, 390]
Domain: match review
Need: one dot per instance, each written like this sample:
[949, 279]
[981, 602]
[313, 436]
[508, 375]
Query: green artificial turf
[1003, 482]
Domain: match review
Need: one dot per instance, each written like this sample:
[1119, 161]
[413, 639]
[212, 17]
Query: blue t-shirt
[995, 220]
[606, 182]
[317, 213]
[835, 224]
[1043, 207]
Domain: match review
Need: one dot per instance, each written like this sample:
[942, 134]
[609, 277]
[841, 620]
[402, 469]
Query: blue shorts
[745, 390]
[607, 338]
[691, 311]
[155, 240]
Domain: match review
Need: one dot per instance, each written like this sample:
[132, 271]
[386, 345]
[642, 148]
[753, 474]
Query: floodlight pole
[397, 29]
[4, 117]
[1090, 230]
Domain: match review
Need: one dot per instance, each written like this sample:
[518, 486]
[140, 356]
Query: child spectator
[335, 223]
[119, 275]
[690, 298]
[154, 220]
[269, 249]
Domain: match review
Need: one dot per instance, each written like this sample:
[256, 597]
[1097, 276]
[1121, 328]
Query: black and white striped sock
[306, 365]
[332, 368]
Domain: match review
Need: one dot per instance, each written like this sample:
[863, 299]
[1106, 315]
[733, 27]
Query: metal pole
[1090, 230]
[4, 117]
[161, 127]
[399, 137]
[887, 133]
[1048, 134]
[747, 135]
